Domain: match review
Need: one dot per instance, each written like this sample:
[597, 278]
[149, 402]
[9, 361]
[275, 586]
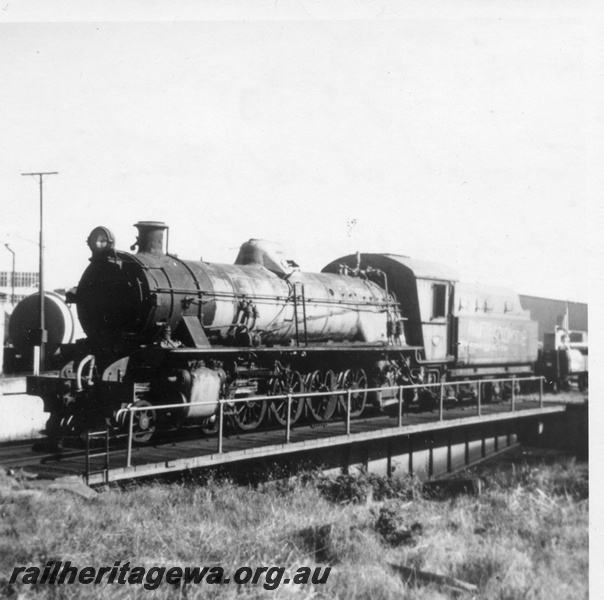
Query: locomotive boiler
[129, 299]
[161, 330]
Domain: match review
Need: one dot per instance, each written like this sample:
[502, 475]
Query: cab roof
[424, 269]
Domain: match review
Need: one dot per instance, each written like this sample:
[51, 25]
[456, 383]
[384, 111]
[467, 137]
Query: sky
[444, 132]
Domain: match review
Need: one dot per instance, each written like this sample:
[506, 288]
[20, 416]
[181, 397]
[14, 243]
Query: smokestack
[150, 238]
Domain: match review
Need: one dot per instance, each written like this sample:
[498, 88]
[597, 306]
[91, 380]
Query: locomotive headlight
[100, 240]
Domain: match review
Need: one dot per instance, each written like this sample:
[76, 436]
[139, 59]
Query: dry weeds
[526, 536]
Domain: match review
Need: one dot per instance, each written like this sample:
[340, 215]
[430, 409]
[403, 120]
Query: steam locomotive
[162, 330]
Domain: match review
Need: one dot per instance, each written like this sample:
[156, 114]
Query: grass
[526, 536]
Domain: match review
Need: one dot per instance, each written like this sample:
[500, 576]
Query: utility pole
[42, 333]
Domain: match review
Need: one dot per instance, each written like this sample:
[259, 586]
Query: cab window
[439, 301]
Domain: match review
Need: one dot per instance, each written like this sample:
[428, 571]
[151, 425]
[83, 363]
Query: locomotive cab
[422, 289]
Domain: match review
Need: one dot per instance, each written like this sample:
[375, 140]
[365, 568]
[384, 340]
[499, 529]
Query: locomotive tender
[162, 330]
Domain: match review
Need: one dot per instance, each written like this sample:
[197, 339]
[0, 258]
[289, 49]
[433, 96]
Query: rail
[348, 392]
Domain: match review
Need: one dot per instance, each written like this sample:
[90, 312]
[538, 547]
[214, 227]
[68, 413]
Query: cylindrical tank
[61, 323]
[130, 295]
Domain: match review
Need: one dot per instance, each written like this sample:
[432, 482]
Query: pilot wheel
[144, 422]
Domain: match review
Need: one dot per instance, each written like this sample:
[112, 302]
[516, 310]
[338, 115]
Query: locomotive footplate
[299, 350]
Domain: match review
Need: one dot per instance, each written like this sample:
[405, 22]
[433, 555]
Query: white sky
[444, 132]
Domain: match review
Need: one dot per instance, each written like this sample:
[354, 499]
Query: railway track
[20, 454]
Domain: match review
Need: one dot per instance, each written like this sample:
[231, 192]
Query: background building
[25, 283]
[551, 313]
[22, 257]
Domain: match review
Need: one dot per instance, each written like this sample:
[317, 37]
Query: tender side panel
[492, 327]
[496, 340]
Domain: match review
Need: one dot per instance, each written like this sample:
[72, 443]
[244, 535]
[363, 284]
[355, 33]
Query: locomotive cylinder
[199, 385]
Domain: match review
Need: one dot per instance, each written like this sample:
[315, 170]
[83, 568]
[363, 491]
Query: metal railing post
[348, 402]
[513, 394]
[289, 418]
[441, 401]
[220, 425]
[87, 456]
[479, 399]
[400, 406]
[107, 454]
[541, 392]
[130, 429]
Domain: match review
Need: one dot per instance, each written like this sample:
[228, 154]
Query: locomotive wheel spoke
[470, 393]
[322, 407]
[210, 426]
[355, 379]
[248, 415]
[491, 392]
[71, 428]
[287, 383]
[507, 387]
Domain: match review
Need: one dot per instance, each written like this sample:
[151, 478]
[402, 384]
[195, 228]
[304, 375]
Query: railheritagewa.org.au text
[123, 573]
